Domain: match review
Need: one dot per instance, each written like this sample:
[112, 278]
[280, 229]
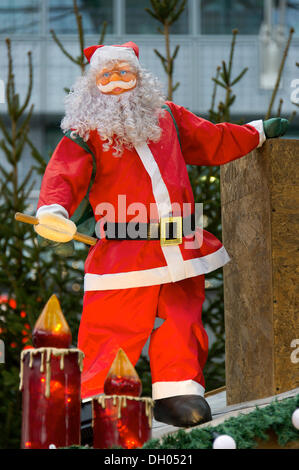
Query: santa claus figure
[154, 268]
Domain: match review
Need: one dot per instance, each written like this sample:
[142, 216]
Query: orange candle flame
[51, 328]
[122, 378]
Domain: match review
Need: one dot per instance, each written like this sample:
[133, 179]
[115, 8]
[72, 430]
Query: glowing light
[55, 386]
[27, 444]
[13, 345]
[23, 314]
[12, 303]
[132, 443]
[295, 418]
[25, 340]
[122, 378]
[42, 379]
[224, 442]
[51, 328]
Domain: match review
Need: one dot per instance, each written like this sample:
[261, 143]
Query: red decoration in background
[120, 417]
[12, 304]
[50, 381]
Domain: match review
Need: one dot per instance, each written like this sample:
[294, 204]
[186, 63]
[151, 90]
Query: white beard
[126, 120]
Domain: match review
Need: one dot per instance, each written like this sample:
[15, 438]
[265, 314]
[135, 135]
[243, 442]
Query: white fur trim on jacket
[56, 209]
[152, 277]
[173, 389]
[104, 54]
[259, 126]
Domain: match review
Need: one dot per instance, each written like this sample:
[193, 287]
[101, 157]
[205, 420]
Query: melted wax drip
[51, 328]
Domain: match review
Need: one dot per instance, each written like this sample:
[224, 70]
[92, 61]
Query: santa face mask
[116, 79]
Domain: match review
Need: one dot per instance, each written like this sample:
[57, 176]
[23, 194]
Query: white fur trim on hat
[106, 53]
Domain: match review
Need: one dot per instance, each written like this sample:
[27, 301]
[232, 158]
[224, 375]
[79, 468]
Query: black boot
[182, 411]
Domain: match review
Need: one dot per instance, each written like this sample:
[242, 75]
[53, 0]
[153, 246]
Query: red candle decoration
[122, 378]
[50, 379]
[51, 328]
[121, 417]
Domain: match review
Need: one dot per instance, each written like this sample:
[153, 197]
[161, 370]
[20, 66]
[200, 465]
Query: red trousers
[124, 318]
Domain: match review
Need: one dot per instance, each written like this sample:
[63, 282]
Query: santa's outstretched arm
[205, 143]
[64, 185]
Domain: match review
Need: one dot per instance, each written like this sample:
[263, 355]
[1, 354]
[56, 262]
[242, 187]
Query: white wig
[129, 119]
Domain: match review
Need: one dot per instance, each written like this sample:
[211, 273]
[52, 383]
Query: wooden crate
[260, 220]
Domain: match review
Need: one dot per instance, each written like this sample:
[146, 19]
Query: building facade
[203, 32]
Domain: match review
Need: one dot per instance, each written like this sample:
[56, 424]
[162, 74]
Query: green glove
[61, 249]
[275, 127]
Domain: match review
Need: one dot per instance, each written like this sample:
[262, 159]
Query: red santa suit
[128, 283]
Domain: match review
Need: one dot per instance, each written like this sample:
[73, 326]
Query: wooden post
[260, 221]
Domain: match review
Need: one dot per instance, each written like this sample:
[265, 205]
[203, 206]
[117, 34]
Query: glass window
[292, 16]
[222, 16]
[62, 18]
[138, 21]
[19, 16]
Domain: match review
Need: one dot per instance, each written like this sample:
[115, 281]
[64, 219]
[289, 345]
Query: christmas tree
[29, 274]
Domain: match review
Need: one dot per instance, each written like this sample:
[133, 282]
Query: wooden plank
[260, 206]
[215, 391]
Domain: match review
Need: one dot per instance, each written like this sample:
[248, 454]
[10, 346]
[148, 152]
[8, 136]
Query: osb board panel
[284, 155]
[259, 205]
[275, 162]
[244, 176]
[248, 298]
[285, 259]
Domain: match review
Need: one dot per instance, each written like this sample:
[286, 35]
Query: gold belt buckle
[163, 232]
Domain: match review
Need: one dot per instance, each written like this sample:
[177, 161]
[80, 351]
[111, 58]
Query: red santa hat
[98, 56]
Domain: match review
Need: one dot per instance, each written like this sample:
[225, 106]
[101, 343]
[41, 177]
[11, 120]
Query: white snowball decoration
[295, 419]
[52, 446]
[224, 442]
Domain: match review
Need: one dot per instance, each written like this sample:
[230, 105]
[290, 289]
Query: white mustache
[117, 84]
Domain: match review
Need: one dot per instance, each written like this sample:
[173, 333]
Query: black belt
[170, 230]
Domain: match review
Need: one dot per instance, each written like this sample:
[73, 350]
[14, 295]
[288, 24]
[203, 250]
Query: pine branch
[232, 50]
[292, 116]
[211, 111]
[5, 132]
[80, 60]
[103, 32]
[25, 123]
[284, 57]
[60, 45]
[175, 17]
[239, 76]
[279, 107]
[219, 83]
[10, 86]
[29, 90]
